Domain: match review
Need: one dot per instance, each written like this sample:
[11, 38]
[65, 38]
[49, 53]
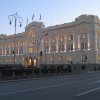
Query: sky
[52, 12]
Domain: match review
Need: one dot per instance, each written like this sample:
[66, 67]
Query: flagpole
[40, 17]
[27, 21]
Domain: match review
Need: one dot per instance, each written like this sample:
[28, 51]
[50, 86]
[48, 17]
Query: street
[84, 86]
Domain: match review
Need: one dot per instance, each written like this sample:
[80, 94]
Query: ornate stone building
[77, 42]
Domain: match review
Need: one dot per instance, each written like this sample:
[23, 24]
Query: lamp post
[40, 45]
[15, 18]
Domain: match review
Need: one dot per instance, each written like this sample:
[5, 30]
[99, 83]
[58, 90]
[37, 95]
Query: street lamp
[40, 45]
[16, 18]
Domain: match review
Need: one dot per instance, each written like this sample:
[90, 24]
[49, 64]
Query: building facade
[77, 42]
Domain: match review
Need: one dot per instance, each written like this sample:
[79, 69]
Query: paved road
[68, 87]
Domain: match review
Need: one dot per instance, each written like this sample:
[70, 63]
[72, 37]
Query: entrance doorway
[35, 62]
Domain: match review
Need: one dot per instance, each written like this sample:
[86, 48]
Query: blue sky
[52, 11]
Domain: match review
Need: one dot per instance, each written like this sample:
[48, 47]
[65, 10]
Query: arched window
[69, 59]
[84, 58]
[70, 47]
[60, 59]
[83, 31]
[30, 61]
[84, 35]
[70, 37]
[52, 58]
[32, 33]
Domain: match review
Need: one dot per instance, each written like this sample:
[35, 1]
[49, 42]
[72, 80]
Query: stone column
[73, 42]
[49, 45]
[88, 41]
[96, 41]
[65, 44]
[78, 42]
[99, 42]
[57, 44]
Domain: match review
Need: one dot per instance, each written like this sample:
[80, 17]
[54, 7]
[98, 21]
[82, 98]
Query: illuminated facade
[77, 42]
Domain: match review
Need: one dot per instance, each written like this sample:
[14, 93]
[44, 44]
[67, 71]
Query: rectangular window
[59, 47]
[53, 48]
[82, 46]
[70, 47]
[30, 50]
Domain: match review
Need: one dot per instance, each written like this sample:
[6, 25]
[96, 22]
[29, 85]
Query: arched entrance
[34, 62]
[84, 58]
[30, 63]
